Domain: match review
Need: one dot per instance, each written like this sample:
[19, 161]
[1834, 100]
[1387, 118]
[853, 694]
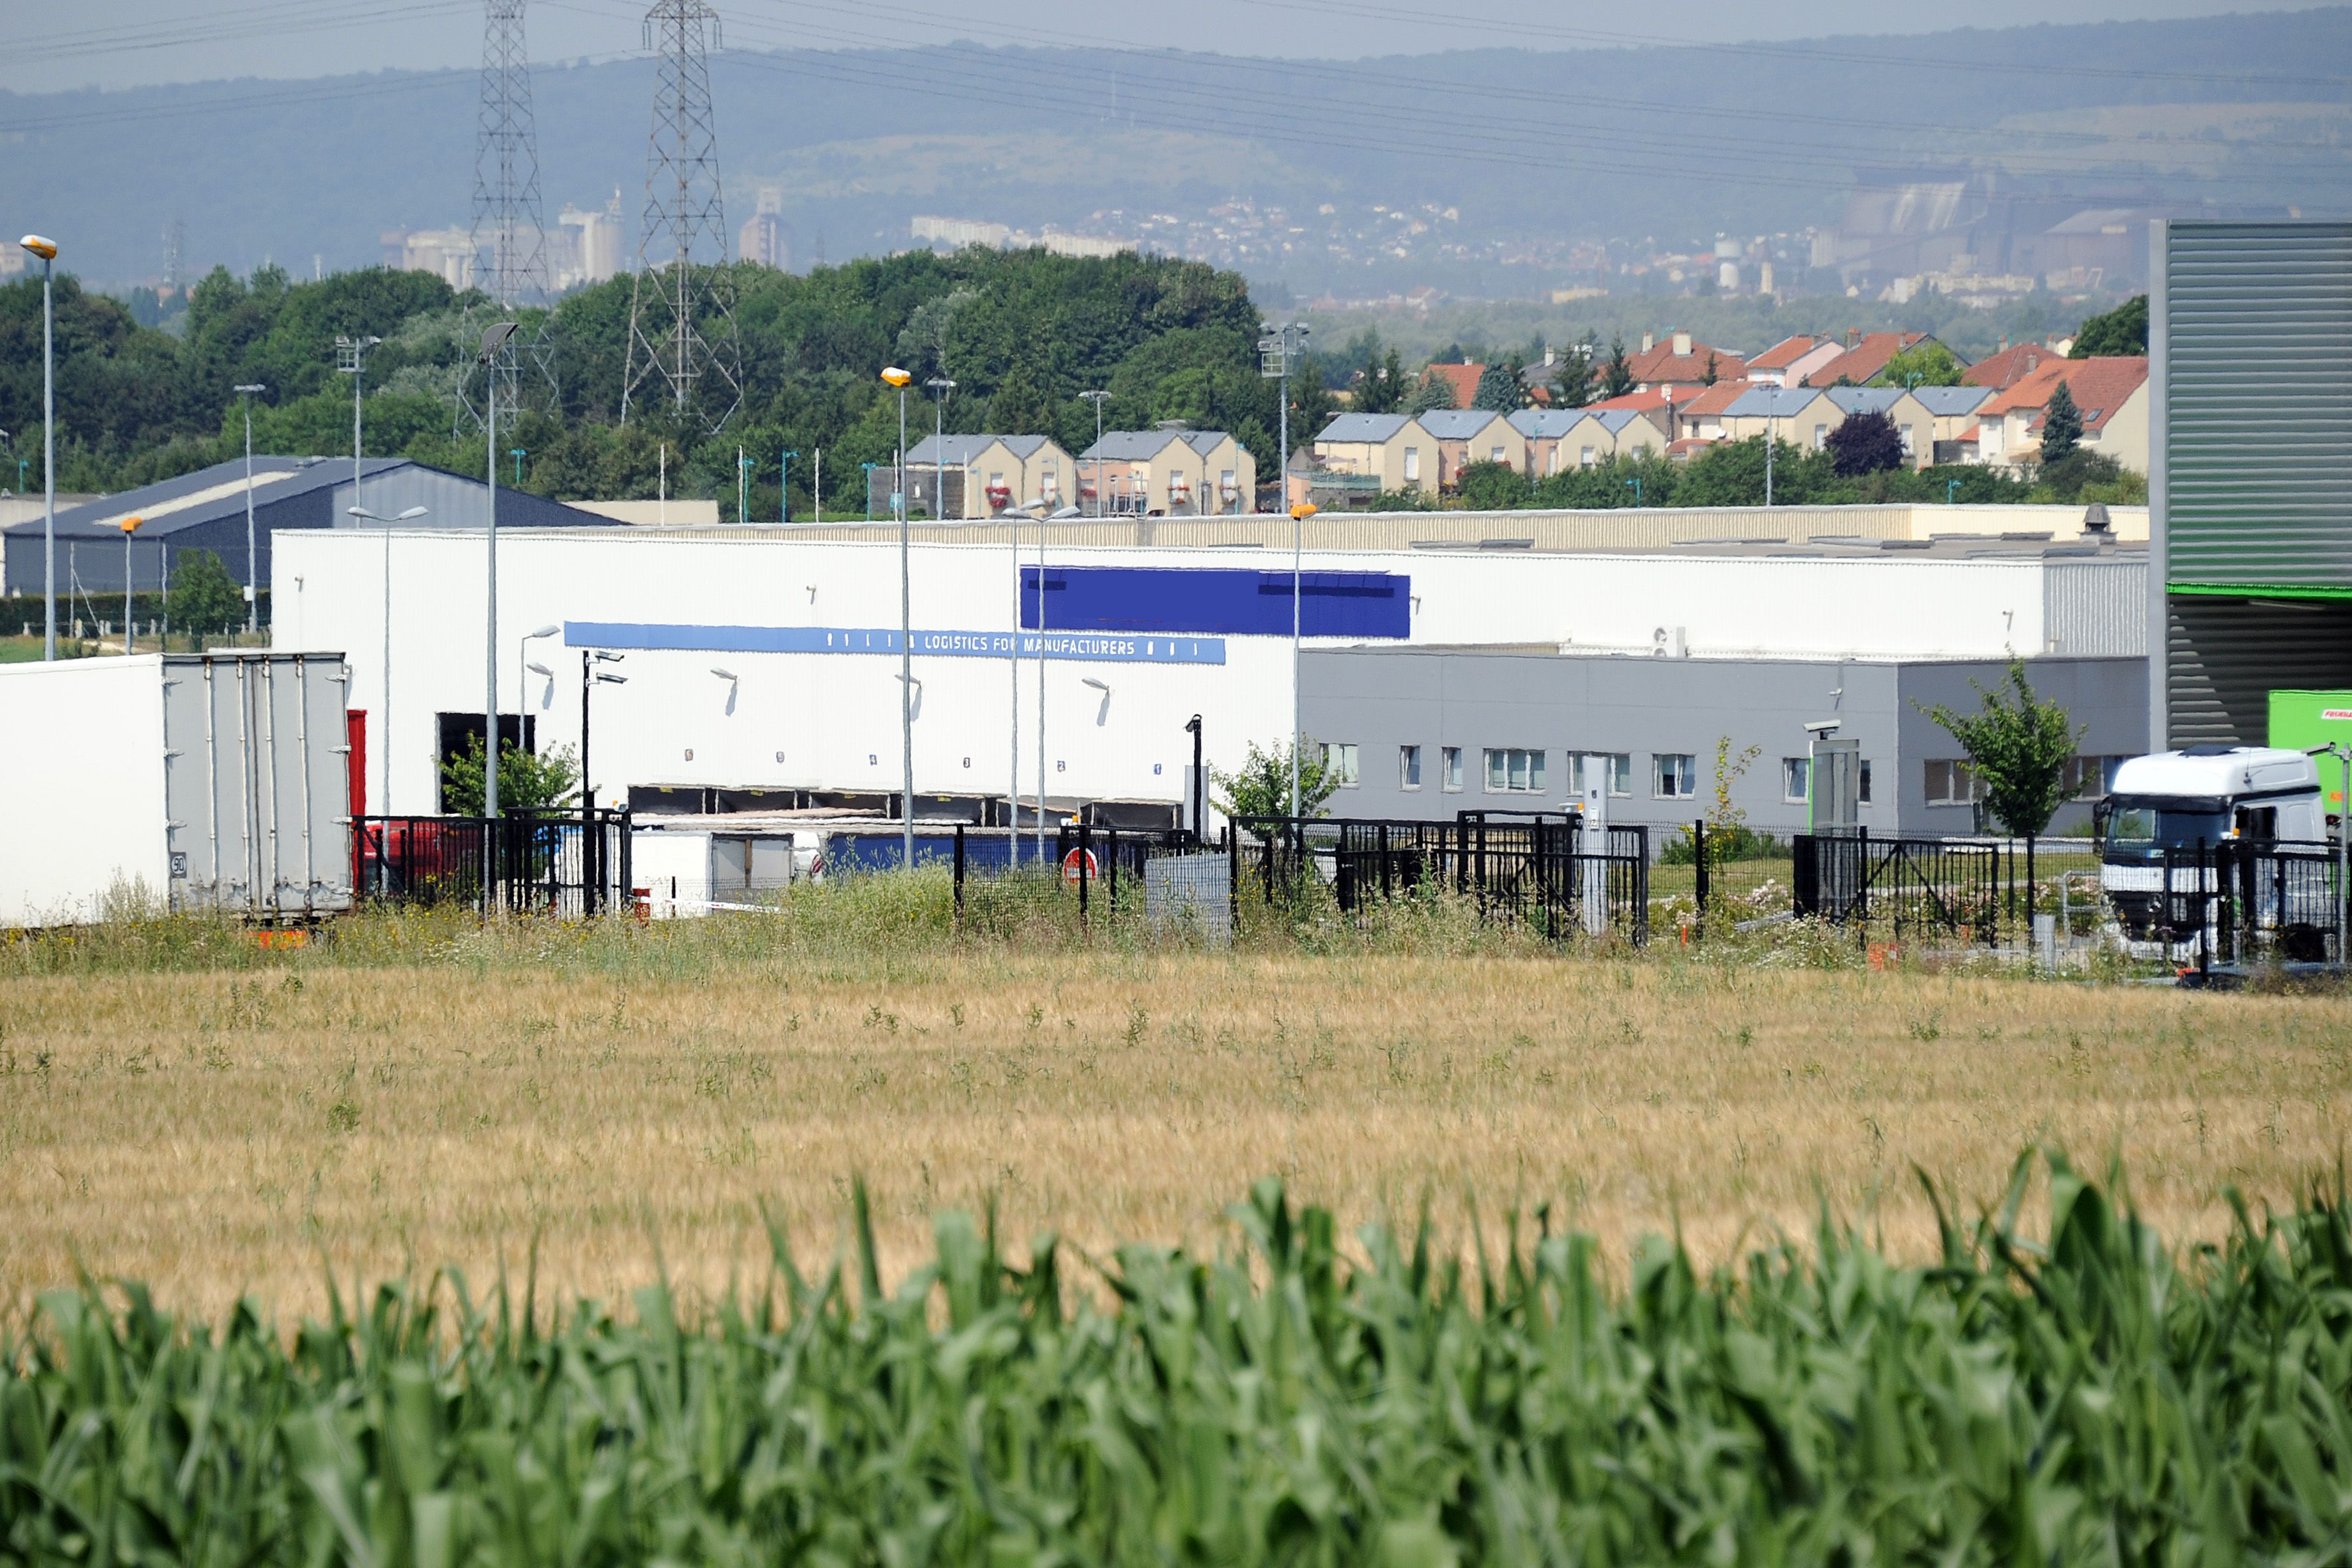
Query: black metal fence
[569, 864]
[2234, 903]
[1542, 870]
[1951, 888]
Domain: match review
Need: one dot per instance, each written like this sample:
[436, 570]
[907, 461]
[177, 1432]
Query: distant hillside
[1679, 143]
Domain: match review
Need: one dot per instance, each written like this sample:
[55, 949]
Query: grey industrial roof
[205, 496]
[1951, 400]
[1458, 423]
[211, 495]
[962, 449]
[1366, 427]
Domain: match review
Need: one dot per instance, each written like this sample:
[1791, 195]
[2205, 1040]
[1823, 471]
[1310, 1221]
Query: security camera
[1822, 729]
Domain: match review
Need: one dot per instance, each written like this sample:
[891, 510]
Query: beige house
[1467, 436]
[1380, 452]
[1166, 473]
[2109, 391]
[1803, 415]
[1600, 434]
[987, 475]
[1936, 421]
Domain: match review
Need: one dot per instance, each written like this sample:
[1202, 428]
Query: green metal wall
[2257, 411]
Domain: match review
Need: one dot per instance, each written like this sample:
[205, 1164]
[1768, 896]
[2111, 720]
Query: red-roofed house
[2007, 368]
[2111, 392]
[1864, 357]
[1461, 380]
[1661, 405]
[1789, 362]
[1680, 362]
[1701, 414]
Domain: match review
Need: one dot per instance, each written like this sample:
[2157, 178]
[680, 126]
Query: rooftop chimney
[1648, 342]
[1682, 344]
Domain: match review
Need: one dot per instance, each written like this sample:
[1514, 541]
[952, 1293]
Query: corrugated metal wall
[2258, 322]
[2095, 608]
[2225, 655]
[1629, 528]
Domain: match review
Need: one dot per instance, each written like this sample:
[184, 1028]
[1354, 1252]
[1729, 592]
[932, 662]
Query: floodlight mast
[1277, 350]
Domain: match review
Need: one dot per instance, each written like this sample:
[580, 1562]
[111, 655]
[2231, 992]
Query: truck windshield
[2157, 820]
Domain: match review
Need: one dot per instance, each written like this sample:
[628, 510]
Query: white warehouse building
[762, 664]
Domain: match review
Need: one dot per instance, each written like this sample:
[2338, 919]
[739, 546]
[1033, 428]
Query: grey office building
[1425, 732]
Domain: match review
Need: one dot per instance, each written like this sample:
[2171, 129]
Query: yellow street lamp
[894, 377]
[129, 526]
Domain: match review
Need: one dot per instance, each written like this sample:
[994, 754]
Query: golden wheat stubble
[218, 1134]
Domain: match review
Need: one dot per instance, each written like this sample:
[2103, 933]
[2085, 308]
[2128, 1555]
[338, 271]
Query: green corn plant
[1294, 1398]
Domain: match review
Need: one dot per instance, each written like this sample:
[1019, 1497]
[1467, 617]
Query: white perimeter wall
[830, 721]
[81, 786]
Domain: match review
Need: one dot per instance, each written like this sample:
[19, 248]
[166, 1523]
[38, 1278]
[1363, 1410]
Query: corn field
[2089, 1397]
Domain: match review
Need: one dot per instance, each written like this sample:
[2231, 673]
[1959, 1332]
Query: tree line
[1022, 333]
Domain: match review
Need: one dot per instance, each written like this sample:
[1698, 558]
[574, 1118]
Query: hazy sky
[132, 43]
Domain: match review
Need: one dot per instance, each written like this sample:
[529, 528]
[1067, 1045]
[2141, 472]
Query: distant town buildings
[583, 248]
[765, 236]
[955, 233]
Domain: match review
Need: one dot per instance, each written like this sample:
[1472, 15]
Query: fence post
[1233, 877]
[628, 861]
[1110, 860]
[1698, 854]
[1086, 859]
[958, 877]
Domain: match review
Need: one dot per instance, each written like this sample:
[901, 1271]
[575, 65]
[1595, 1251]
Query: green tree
[1617, 371]
[2019, 745]
[1492, 487]
[1925, 363]
[1433, 392]
[526, 782]
[1497, 390]
[1867, 443]
[2122, 331]
[1381, 387]
[2062, 425]
[1572, 375]
[204, 596]
[1727, 835]
[1260, 787]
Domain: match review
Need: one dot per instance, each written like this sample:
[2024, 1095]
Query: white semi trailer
[2163, 808]
[196, 782]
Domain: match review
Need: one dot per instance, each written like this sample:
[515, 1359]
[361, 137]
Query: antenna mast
[509, 233]
[682, 316]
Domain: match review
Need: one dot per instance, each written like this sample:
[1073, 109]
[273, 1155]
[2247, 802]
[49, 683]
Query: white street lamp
[893, 377]
[526, 669]
[252, 567]
[47, 249]
[494, 343]
[383, 741]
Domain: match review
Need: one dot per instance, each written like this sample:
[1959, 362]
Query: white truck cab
[2173, 803]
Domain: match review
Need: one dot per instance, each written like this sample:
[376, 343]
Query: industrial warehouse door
[257, 782]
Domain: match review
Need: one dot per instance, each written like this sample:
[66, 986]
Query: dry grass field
[218, 1122]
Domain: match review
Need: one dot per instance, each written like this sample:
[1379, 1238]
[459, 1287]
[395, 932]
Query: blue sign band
[1109, 649]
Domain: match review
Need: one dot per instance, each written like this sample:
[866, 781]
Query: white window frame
[1339, 763]
[1688, 770]
[1521, 770]
[1796, 778]
[1409, 767]
[1449, 763]
[1412, 465]
[1955, 776]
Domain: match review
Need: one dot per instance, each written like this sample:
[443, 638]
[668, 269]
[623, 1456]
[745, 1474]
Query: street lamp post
[494, 342]
[1277, 349]
[517, 453]
[252, 564]
[941, 386]
[351, 359]
[1097, 399]
[1636, 484]
[743, 487]
[784, 489]
[869, 469]
[383, 741]
[892, 375]
[1772, 438]
[47, 249]
[130, 527]
[590, 841]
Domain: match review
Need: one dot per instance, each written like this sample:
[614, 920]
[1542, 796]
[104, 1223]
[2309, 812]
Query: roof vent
[2094, 518]
[2208, 749]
